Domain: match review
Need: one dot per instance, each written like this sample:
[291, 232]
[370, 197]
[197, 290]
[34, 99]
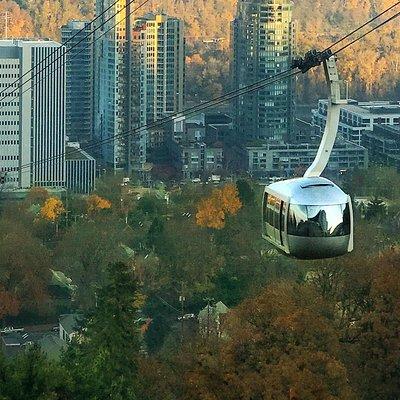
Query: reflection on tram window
[319, 221]
[272, 206]
[297, 222]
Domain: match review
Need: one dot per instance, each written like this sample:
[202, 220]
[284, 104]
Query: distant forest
[371, 67]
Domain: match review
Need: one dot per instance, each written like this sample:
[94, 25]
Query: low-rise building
[357, 117]
[285, 159]
[80, 170]
[13, 341]
[195, 159]
[191, 152]
[69, 324]
[211, 319]
[383, 144]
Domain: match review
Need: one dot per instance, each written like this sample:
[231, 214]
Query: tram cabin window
[319, 221]
[272, 211]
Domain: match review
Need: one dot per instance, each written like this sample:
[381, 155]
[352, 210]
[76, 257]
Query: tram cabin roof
[309, 191]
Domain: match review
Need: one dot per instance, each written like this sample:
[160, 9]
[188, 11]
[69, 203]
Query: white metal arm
[332, 120]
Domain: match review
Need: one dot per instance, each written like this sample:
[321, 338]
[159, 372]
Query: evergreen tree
[103, 358]
[31, 376]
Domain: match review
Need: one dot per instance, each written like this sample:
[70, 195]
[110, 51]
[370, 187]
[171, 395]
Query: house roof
[216, 310]
[52, 345]
[70, 322]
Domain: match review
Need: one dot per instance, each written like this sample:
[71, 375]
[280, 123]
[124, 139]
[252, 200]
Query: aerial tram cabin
[308, 218]
[311, 217]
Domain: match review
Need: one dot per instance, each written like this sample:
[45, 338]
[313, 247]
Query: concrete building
[358, 117]
[32, 118]
[79, 76]
[80, 170]
[262, 40]
[158, 74]
[285, 159]
[193, 160]
[159, 41]
[383, 144]
[191, 153]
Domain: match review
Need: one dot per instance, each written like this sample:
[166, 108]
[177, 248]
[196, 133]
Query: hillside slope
[371, 66]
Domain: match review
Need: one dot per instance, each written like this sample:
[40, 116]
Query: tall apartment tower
[139, 78]
[262, 40]
[159, 46]
[78, 42]
[112, 86]
[32, 117]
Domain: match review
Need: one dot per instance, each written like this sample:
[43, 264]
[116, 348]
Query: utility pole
[182, 299]
[6, 15]
[208, 300]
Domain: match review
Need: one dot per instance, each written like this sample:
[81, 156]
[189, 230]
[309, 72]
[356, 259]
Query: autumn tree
[375, 352]
[24, 270]
[20, 23]
[212, 211]
[96, 203]
[52, 209]
[9, 303]
[283, 341]
[84, 252]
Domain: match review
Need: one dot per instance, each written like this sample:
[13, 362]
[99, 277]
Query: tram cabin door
[274, 218]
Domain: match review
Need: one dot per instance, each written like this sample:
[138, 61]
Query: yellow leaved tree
[52, 209]
[97, 203]
[212, 211]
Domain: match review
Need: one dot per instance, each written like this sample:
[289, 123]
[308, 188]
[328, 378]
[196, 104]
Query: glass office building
[262, 41]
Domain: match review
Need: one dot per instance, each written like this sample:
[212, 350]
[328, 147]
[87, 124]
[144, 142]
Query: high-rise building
[262, 40]
[139, 74]
[112, 86]
[159, 46]
[32, 117]
[157, 72]
[78, 42]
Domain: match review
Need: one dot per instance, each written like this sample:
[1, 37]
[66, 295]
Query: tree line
[369, 67]
[309, 329]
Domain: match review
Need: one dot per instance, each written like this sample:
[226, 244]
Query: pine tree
[104, 357]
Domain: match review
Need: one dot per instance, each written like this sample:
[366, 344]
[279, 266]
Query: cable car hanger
[311, 217]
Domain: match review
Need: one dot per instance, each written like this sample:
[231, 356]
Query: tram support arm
[332, 120]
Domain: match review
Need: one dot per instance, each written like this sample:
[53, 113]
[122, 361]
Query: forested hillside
[371, 66]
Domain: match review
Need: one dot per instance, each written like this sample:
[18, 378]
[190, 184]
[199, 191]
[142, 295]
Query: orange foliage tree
[283, 344]
[212, 211]
[97, 203]
[9, 304]
[52, 209]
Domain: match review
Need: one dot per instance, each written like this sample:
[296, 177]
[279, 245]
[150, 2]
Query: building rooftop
[70, 322]
[371, 107]
[52, 345]
[76, 24]
[74, 152]
[15, 341]
[339, 144]
[32, 42]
